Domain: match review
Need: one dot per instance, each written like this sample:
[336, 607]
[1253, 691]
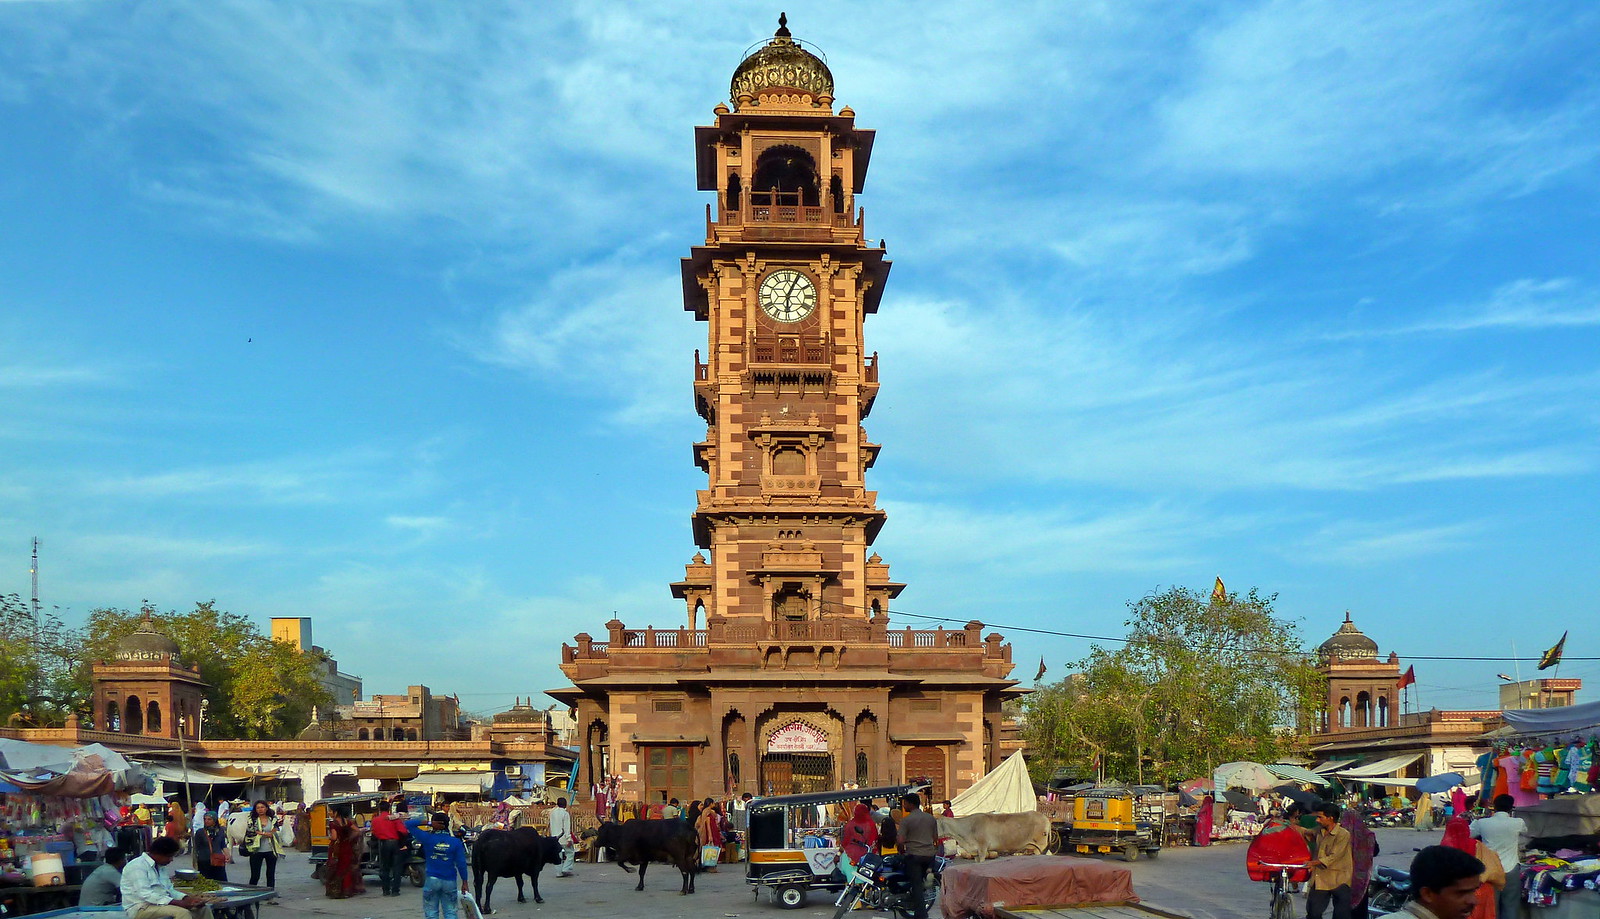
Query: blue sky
[370, 312]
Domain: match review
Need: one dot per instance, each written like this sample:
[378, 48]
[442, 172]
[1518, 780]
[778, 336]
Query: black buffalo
[511, 853]
[642, 841]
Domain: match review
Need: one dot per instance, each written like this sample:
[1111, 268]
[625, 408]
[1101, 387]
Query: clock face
[787, 295]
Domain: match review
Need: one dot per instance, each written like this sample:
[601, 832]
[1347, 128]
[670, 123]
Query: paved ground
[1208, 883]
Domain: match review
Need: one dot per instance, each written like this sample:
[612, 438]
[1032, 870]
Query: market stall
[58, 806]
[1549, 762]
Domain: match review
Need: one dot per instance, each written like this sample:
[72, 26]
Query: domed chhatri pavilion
[1363, 691]
[786, 676]
[147, 689]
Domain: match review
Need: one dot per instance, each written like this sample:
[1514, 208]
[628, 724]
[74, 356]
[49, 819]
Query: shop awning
[1383, 768]
[194, 776]
[386, 772]
[1332, 765]
[1296, 774]
[449, 783]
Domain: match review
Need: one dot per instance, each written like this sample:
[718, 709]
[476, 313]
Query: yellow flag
[1218, 592]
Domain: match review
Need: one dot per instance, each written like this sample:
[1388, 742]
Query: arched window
[133, 716]
[1383, 711]
[363, 734]
[1363, 710]
[733, 771]
[113, 717]
[152, 721]
[861, 767]
[1344, 712]
[785, 174]
[836, 192]
[377, 733]
[735, 191]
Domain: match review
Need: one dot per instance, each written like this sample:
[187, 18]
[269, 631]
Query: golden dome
[782, 64]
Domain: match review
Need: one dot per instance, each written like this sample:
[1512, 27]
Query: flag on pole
[1407, 678]
[1218, 592]
[1552, 657]
[1040, 674]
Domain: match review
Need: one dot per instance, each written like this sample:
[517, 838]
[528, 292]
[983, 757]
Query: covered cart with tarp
[793, 841]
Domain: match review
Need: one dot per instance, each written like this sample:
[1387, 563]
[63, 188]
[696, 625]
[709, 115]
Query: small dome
[783, 65]
[520, 713]
[1349, 643]
[147, 643]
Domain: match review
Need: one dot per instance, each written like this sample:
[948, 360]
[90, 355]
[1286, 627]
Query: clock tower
[783, 675]
[784, 283]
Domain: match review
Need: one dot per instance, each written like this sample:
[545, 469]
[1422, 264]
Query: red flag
[1407, 678]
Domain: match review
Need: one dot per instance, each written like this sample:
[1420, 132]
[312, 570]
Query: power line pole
[33, 576]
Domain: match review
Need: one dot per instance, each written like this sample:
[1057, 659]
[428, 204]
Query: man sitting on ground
[103, 886]
[147, 891]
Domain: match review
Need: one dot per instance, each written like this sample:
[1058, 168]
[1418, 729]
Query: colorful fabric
[1458, 835]
[1363, 848]
[859, 835]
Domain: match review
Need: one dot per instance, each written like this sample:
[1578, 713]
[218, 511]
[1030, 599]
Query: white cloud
[1527, 304]
[1369, 543]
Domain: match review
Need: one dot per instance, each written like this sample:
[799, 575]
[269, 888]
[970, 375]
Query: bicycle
[1282, 901]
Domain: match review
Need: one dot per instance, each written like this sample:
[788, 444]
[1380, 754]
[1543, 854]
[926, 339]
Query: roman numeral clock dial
[787, 295]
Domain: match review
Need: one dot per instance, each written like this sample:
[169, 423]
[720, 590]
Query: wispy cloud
[1527, 304]
[1367, 543]
[21, 376]
[294, 480]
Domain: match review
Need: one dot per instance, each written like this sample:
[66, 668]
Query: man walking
[445, 863]
[1333, 867]
[919, 841]
[561, 831]
[391, 835]
[1504, 834]
[147, 891]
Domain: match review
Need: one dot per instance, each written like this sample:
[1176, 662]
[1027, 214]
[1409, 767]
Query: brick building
[417, 715]
[787, 675]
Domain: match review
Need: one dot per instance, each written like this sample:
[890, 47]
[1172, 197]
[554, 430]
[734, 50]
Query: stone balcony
[744, 643]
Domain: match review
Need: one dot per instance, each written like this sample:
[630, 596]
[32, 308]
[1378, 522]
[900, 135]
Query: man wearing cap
[445, 863]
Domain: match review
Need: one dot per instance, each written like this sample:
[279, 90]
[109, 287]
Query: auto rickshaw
[360, 806]
[789, 850]
[1109, 818]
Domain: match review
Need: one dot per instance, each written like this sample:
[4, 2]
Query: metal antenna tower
[33, 572]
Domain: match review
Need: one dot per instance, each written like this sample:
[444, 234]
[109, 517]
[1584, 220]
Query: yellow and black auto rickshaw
[1112, 818]
[792, 844]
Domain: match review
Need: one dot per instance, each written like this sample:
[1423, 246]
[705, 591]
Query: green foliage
[260, 688]
[38, 665]
[1199, 682]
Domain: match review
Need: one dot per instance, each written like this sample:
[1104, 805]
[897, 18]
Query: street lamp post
[183, 758]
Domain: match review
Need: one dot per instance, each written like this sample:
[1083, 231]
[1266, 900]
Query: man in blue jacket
[446, 863]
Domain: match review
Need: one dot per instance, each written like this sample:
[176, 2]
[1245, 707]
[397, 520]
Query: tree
[1199, 682]
[259, 688]
[38, 664]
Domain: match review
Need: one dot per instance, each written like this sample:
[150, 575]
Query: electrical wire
[1125, 641]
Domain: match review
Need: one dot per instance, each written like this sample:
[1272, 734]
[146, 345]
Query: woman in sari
[341, 874]
[177, 827]
[1363, 849]
[710, 829]
[860, 835]
[1458, 835]
[1202, 821]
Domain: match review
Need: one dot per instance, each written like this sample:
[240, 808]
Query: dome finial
[783, 26]
[1346, 615]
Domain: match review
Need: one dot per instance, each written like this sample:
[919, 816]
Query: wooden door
[928, 763]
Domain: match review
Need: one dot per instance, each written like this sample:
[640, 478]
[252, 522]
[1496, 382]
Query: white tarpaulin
[1554, 720]
[1382, 769]
[449, 783]
[1007, 789]
[1296, 774]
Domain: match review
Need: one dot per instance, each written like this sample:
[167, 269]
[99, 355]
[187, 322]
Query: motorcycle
[1388, 890]
[881, 883]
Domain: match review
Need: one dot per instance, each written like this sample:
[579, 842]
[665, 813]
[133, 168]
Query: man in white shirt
[147, 891]
[561, 831]
[1504, 834]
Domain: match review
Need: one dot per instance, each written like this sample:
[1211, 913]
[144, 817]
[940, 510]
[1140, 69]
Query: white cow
[1001, 834]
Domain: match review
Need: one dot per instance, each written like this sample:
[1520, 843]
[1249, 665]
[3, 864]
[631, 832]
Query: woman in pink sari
[1202, 821]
